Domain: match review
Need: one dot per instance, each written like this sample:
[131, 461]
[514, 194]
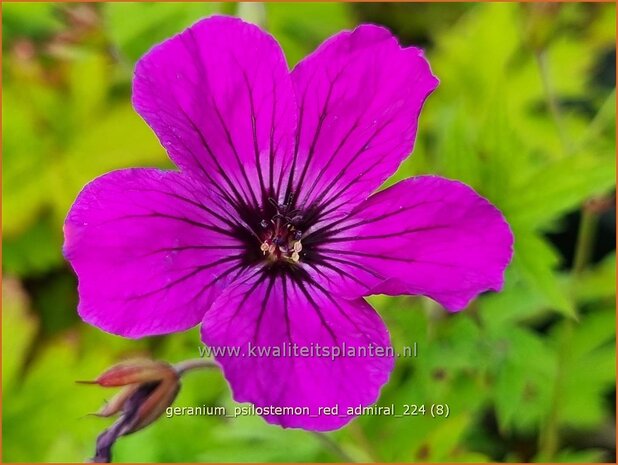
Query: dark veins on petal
[277, 232]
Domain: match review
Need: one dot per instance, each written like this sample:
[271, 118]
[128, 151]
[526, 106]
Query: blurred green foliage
[525, 113]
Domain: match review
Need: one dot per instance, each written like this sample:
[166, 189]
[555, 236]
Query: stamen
[281, 240]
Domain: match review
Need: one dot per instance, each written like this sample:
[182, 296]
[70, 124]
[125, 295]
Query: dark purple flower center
[281, 234]
[274, 234]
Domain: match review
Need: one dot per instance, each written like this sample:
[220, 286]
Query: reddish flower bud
[149, 387]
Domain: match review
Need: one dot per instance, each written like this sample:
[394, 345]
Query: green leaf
[35, 20]
[34, 251]
[581, 456]
[18, 329]
[559, 187]
[516, 302]
[119, 139]
[46, 394]
[508, 393]
[157, 22]
[595, 283]
[441, 443]
[297, 29]
[526, 370]
[536, 262]
[24, 187]
[587, 368]
[458, 155]
[89, 82]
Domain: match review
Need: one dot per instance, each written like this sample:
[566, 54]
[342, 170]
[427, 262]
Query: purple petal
[425, 235]
[359, 96]
[220, 98]
[150, 251]
[279, 311]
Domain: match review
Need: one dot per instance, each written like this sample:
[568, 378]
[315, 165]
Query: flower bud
[148, 388]
[133, 372]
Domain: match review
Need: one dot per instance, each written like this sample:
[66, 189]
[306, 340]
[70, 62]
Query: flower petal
[425, 235]
[359, 95]
[150, 251]
[220, 98]
[281, 311]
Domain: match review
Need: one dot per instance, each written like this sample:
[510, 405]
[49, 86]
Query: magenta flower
[271, 233]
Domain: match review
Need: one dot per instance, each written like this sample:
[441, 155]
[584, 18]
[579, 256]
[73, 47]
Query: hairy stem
[193, 364]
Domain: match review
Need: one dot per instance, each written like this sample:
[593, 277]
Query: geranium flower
[271, 233]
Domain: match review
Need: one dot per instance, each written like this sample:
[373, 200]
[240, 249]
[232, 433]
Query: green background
[525, 113]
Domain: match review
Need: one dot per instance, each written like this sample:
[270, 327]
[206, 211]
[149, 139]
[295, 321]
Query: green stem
[361, 439]
[601, 121]
[585, 240]
[193, 364]
[332, 445]
[549, 439]
[552, 101]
